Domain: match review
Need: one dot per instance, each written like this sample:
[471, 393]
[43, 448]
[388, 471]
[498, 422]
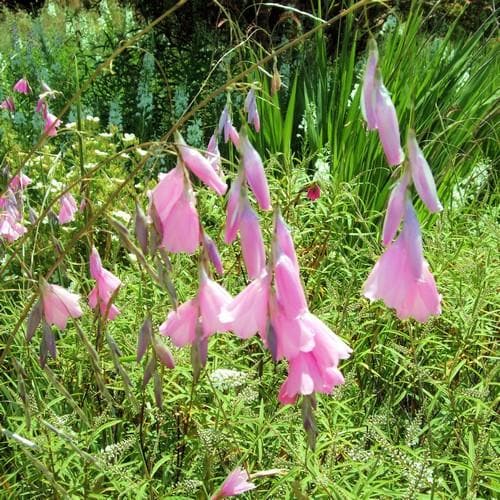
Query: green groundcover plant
[145, 354]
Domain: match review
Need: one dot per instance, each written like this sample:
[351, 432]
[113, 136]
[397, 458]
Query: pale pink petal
[213, 299]
[252, 244]
[233, 211]
[395, 209]
[235, 484]
[289, 291]
[68, 208]
[180, 325]
[368, 93]
[59, 304]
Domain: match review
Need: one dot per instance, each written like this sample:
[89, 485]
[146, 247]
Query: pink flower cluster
[11, 208]
[401, 277]
[274, 303]
[51, 123]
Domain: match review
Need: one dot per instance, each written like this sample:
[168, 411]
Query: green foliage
[416, 416]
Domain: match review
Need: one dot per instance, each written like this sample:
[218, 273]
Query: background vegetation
[416, 417]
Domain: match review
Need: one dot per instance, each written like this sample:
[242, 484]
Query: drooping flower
[254, 173]
[226, 125]
[10, 217]
[67, 208]
[173, 211]
[422, 175]
[235, 484]
[106, 285]
[59, 304]
[247, 313]
[22, 86]
[233, 210]
[395, 209]
[401, 277]
[369, 90]
[205, 308]
[313, 192]
[387, 123]
[200, 166]
[213, 154]
[252, 244]
[8, 104]
[19, 182]
[51, 124]
[251, 109]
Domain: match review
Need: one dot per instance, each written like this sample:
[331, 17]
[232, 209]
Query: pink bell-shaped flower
[233, 211]
[422, 175]
[235, 484]
[106, 285]
[68, 208]
[254, 173]
[247, 313]
[401, 277]
[8, 104]
[226, 125]
[212, 298]
[22, 86]
[51, 124]
[200, 166]
[19, 182]
[395, 209]
[59, 305]
[180, 325]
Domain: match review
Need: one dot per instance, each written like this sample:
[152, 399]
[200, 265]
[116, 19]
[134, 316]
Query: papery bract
[22, 86]
[68, 208]
[422, 175]
[8, 104]
[235, 484]
[368, 92]
[254, 173]
[252, 244]
[401, 277]
[200, 166]
[213, 154]
[106, 285]
[247, 313]
[213, 253]
[59, 304]
[180, 325]
[395, 209]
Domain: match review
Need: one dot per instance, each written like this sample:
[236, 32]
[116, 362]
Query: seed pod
[148, 371]
[141, 229]
[33, 320]
[144, 339]
[164, 355]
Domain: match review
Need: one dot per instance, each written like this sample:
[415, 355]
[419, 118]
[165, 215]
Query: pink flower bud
[395, 209]
[254, 173]
[368, 92]
[252, 244]
[422, 175]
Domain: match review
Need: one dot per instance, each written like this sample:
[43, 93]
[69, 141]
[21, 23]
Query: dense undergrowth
[416, 416]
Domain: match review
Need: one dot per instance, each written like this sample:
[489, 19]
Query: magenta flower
[235, 484]
[395, 209]
[19, 182]
[252, 244]
[59, 305]
[200, 166]
[401, 277]
[68, 208]
[22, 86]
[422, 175]
[173, 210]
[106, 285]
[51, 124]
[251, 109]
[254, 173]
[8, 104]
[313, 192]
